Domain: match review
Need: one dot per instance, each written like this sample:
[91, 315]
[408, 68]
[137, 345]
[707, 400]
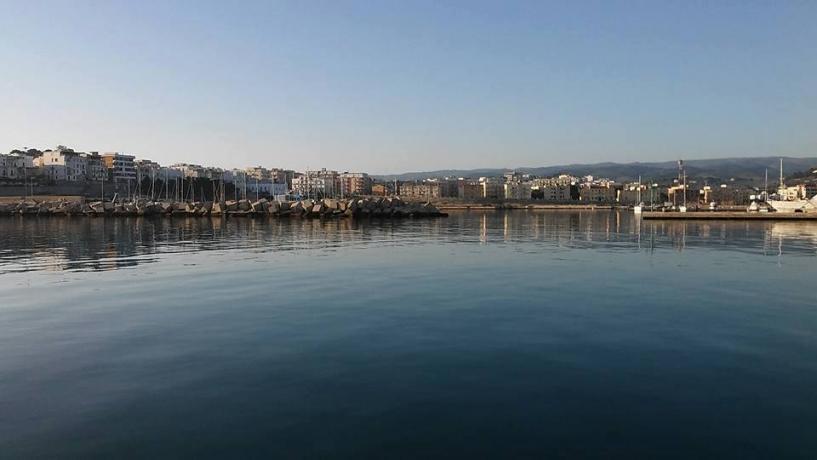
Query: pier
[727, 215]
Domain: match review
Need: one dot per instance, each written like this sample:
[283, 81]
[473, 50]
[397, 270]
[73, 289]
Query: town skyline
[411, 86]
[803, 163]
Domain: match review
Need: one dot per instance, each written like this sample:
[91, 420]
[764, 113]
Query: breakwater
[324, 208]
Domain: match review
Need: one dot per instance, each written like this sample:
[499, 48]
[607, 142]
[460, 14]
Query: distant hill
[749, 169]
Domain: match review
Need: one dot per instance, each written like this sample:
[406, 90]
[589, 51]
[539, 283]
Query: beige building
[62, 165]
[555, 193]
[517, 191]
[797, 192]
[190, 170]
[355, 184]
[420, 191]
[380, 190]
[596, 193]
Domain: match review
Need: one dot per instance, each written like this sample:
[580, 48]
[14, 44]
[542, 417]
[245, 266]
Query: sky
[396, 86]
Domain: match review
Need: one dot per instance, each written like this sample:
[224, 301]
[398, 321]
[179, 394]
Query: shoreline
[727, 215]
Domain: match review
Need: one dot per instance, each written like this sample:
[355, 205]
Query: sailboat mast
[766, 186]
[781, 174]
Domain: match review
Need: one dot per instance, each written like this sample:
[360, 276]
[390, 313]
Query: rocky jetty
[325, 208]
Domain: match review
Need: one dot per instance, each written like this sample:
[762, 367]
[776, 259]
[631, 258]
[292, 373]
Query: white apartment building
[121, 168]
[322, 183]
[62, 165]
[13, 166]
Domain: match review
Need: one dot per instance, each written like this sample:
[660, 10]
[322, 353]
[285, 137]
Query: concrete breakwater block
[325, 208]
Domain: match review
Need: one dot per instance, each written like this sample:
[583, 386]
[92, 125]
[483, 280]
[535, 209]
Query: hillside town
[64, 171]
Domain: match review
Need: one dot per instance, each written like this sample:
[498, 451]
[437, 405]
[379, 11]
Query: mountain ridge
[749, 169]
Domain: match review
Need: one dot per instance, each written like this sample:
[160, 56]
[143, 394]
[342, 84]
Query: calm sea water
[518, 334]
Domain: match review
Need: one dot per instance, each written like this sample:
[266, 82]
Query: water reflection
[106, 244]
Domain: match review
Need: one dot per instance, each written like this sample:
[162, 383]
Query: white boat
[789, 205]
[640, 206]
[794, 205]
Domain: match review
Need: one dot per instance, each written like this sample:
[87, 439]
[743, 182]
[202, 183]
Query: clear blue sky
[386, 86]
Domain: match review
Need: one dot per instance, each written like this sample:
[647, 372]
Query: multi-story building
[213, 173]
[62, 164]
[561, 179]
[264, 188]
[677, 193]
[121, 168]
[190, 170]
[517, 190]
[597, 193]
[724, 195]
[95, 170]
[355, 184]
[492, 190]
[554, 193]
[797, 192]
[258, 172]
[15, 166]
[420, 191]
[469, 190]
[3, 167]
[512, 176]
[282, 176]
[322, 183]
[633, 194]
[380, 190]
[146, 169]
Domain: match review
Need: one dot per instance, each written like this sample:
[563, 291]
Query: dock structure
[727, 215]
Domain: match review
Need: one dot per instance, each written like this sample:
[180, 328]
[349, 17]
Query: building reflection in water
[57, 243]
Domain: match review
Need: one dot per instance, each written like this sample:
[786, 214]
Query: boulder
[260, 206]
[97, 207]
